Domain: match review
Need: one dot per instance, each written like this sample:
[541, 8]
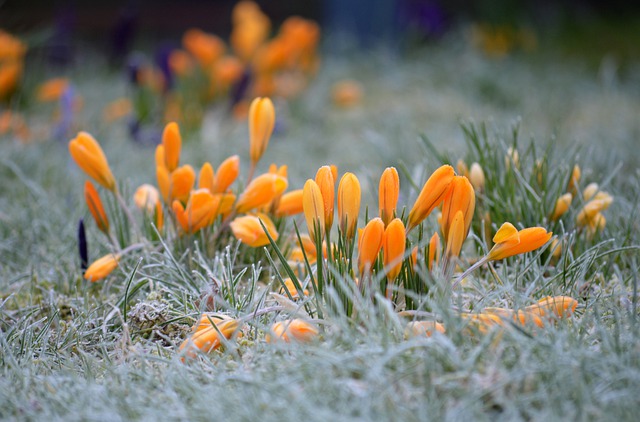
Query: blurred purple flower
[239, 90]
[123, 32]
[162, 61]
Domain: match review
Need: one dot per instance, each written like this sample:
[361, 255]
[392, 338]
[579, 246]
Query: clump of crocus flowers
[254, 64]
[383, 256]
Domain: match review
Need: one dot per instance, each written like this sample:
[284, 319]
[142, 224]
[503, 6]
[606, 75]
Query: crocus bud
[313, 206]
[348, 204]
[262, 190]
[590, 191]
[292, 330]
[199, 213]
[227, 173]
[522, 317]
[600, 202]
[172, 143]
[388, 192]
[461, 168]
[512, 158]
[86, 152]
[556, 248]
[476, 177]
[393, 247]
[290, 287]
[434, 251]
[432, 194]
[325, 180]
[206, 178]
[164, 182]
[102, 267]
[146, 197]
[456, 236]
[182, 181]
[554, 306]
[248, 230]
[460, 197]
[423, 329]
[574, 179]
[207, 337]
[95, 206]
[290, 203]
[369, 244]
[262, 117]
[562, 206]
[159, 156]
[483, 322]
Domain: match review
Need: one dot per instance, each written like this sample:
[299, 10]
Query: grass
[108, 350]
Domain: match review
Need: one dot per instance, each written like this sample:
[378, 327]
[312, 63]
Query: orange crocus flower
[434, 251]
[207, 337]
[182, 181]
[572, 186]
[483, 322]
[262, 190]
[291, 288]
[52, 89]
[95, 206]
[206, 178]
[180, 63]
[554, 307]
[102, 267]
[600, 202]
[290, 203]
[292, 330]
[325, 180]
[172, 143]
[457, 236]
[146, 197]
[248, 230]
[590, 191]
[164, 182]
[369, 244]
[206, 48]
[423, 329]
[200, 212]
[476, 177]
[461, 197]
[160, 156]
[159, 216]
[521, 316]
[86, 152]
[250, 29]
[432, 194]
[349, 194]
[313, 206]
[10, 74]
[262, 117]
[393, 248]
[388, 192]
[562, 206]
[347, 93]
[509, 241]
[227, 173]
